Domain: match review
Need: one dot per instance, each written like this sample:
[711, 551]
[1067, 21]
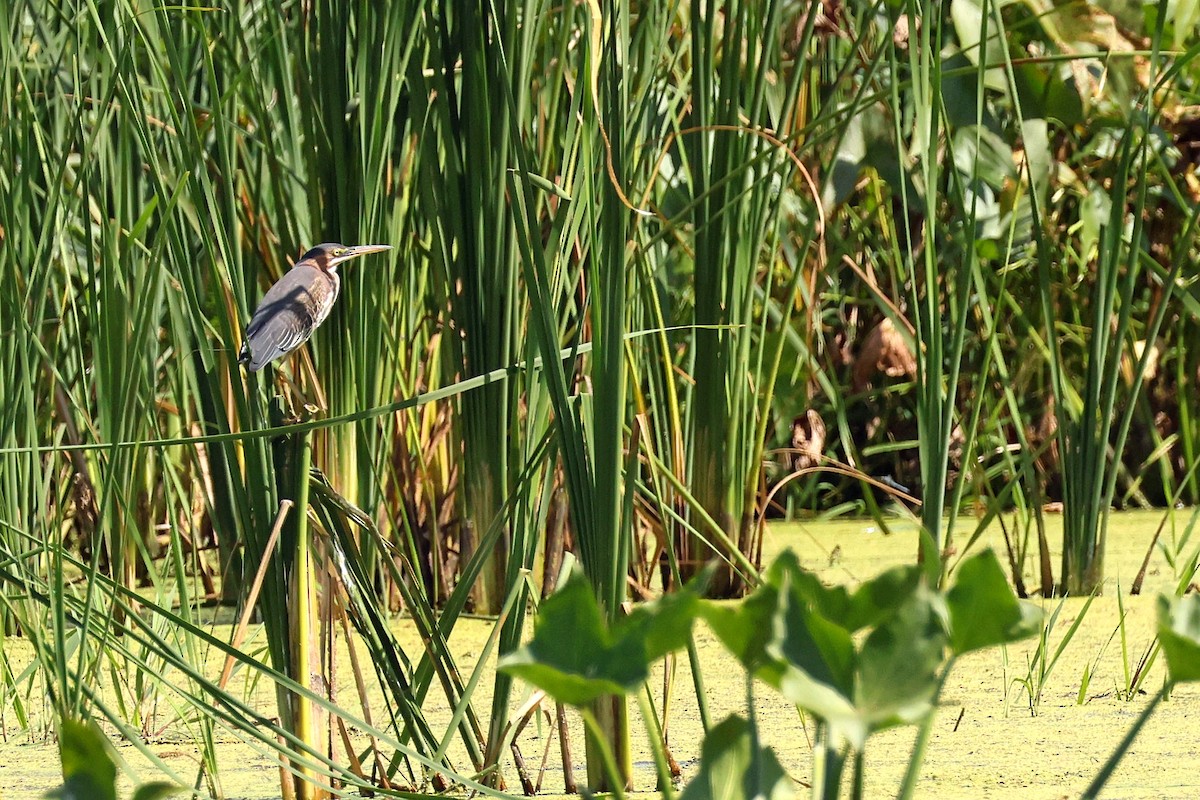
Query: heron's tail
[244, 355]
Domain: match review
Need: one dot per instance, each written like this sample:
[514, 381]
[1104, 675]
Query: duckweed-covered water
[989, 738]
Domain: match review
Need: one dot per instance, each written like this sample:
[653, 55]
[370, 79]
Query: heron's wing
[283, 321]
[277, 336]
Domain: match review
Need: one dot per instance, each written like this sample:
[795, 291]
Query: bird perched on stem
[300, 301]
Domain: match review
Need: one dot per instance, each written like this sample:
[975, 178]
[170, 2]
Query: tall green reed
[465, 155]
[167, 164]
[734, 168]
[1092, 430]
[169, 197]
[590, 429]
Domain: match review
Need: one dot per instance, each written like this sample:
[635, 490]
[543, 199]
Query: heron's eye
[339, 252]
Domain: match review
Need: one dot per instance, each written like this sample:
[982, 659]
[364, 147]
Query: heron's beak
[360, 250]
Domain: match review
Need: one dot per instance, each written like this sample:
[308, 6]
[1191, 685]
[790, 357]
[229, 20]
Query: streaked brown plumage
[300, 301]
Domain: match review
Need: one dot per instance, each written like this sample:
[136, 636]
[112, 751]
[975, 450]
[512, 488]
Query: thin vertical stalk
[912, 772]
[304, 627]
[828, 763]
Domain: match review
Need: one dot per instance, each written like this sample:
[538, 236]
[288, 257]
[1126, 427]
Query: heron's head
[329, 255]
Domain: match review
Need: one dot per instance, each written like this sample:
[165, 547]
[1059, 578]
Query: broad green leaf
[157, 791]
[899, 662]
[806, 640]
[847, 164]
[823, 701]
[1179, 635]
[867, 137]
[970, 20]
[88, 770]
[873, 601]
[575, 658]
[571, 656]
[1185, 18]
[1045, 95]
[734, 767]
[745, 628]
[812, 656]
[884, 158]
[879, 597]
[568, 687]
[960, 91]
[1036, 136]
[780, 639]
[1095, 209]
[982, 155]
[984, 611]
[786, 574]
[661, 626]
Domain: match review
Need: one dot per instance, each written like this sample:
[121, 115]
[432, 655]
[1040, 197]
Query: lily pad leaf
[734, 767]
[983, 609]
[1179, 635]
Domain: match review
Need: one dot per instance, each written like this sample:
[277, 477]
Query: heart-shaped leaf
[575, 658]
[1179, 635]
[898, 665]
[88, 770]
[734, 767]
[984, 611]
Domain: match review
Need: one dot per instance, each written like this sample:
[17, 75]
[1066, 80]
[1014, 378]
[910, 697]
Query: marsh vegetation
[661, 273]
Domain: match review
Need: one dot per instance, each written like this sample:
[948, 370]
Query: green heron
[293, 308]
